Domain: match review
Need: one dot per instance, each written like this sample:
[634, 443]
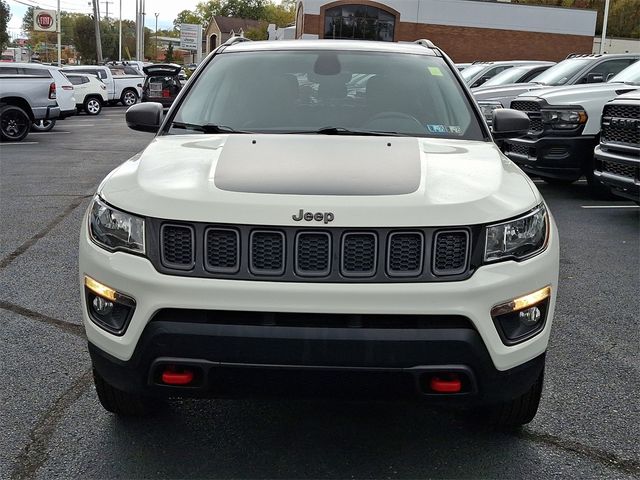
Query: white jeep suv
[321, 218]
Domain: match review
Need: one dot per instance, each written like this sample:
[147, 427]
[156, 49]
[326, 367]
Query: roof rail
[582, 55]
[236, 39]
[425, 43]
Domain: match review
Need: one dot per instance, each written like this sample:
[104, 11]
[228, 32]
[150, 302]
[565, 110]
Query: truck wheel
[43, 125]
[129, 97]
[123, 403]
[14, 123]
[92, 106]
[519, 411]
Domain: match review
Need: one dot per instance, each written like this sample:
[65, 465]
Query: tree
[168, 56]
[188, 16]
[5, 16]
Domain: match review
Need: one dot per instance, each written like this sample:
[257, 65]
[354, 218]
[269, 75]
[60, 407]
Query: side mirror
[595, 78]
[144, 117]
[508, 123]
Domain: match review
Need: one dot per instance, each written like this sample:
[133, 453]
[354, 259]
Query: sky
[167, 9]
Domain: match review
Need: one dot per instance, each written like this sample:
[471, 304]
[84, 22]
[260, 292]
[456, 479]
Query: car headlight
[115, 230]
[564, 119]
[488, 108]
[518, 239]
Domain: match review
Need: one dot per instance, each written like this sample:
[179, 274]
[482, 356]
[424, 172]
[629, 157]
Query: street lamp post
[156, 47]
[604, 25]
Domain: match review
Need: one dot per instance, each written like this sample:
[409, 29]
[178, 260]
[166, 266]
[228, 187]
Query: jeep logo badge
[325, 217]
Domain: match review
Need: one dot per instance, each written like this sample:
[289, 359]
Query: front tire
[92, 105]
[122, 403]
[14, 123]
[43, 125]
[519, 411]
[129, 97]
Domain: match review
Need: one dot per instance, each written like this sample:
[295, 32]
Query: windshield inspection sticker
[435, 71]
[455, 129]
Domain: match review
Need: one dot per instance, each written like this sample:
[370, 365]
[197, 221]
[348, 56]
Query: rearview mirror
[508, 123]
[144, 117]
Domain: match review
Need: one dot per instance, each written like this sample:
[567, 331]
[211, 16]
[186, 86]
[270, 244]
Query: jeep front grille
[292, 254]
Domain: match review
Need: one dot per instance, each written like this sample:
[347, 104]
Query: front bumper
[620, 171]
[564, 158]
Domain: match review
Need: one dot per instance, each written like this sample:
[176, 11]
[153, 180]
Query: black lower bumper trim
[565, 158]
[255, 361]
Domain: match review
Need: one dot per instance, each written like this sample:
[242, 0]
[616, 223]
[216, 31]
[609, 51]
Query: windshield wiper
[347, 131]
[206, 128]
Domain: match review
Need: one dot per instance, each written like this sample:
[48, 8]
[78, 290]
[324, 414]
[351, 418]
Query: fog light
[523, 317]
[108, 308]
[530, 316]
[102, 306]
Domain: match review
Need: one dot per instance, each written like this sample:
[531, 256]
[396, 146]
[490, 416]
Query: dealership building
[467, 30]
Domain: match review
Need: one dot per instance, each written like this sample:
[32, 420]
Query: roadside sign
[44, 20]
[190, 36]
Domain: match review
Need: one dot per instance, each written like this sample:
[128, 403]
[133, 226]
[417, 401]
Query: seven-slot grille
[621, 124]
[532, 109]
[620, 169]
[310, 254]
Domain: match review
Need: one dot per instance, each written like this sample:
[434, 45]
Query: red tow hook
[171, 376]
[450, 385]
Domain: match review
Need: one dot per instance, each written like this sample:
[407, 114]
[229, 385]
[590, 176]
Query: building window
[359, 22]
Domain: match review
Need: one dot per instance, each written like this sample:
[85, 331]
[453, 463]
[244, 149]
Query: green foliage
[5, 16]
[168, 56]
[188, 16]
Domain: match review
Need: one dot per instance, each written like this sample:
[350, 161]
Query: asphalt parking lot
[53, 426]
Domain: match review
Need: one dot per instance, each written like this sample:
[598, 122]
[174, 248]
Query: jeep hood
[363, 181]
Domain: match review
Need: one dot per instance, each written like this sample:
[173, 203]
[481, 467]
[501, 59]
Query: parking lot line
[610, 206]
[47, 133]
[18, 143]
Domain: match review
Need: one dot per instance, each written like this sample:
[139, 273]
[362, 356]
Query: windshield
[470, 72]
[629, 75]
[561, 73]
[512, 75]
[329, 91]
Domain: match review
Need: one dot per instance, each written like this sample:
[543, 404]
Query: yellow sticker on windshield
[435, 71]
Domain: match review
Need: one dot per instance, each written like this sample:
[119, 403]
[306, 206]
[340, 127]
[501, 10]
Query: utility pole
[137, 30]
[59, 37]
[156, 47]
[120, 35]
[106, 3]
[142, 14]
[604, 25]
[96, 19]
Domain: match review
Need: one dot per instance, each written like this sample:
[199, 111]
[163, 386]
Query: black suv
[162, 84]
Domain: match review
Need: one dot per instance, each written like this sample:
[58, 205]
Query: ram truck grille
[311, 255]
[532, 109]
[621, 124]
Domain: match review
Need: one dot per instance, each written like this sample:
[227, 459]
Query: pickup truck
[125, 89]
[565, 129]
[618, 155]
[27, 95]
[574, 70]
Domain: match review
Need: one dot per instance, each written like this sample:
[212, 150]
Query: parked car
[575, 70]
[27, 95]
[90, 92]
[162, 83]
[65, 96]
[125, 89]
[520, 74]
[618, 154]
[270, 240]
[479, 72]
[565, 129]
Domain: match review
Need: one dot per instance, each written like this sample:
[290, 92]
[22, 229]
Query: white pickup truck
[125, 89]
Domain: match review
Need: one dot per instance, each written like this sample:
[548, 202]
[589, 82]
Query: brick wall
[466, 44]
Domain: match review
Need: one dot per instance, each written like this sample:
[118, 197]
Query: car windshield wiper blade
[206, 128]
[347, 131]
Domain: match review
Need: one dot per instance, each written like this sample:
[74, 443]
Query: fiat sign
[44, 20]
